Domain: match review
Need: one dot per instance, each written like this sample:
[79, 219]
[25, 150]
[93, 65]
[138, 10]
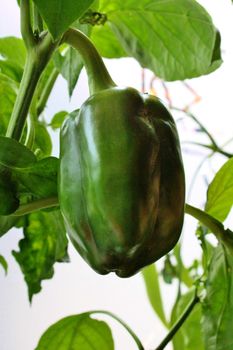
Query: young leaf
[43, 144]
[60, 14]
[58, 120]
[218, 304]
[77, 332]
[43, 244]
[153, 33]
[151, 279]
[220, 192]
[190, 334]
[3, 263]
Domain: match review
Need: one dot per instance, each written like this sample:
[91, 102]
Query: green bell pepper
[121, 181]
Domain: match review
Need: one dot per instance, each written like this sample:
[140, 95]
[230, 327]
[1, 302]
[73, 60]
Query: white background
[75, 287]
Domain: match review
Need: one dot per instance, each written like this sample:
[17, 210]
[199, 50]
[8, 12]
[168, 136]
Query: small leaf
[78, 332]
[43, 144]
[3, 263]
[151, 279]
[176, 39]
[220, 192]
[60, 14]
[218, 304]
[58, 120]
[43, 244]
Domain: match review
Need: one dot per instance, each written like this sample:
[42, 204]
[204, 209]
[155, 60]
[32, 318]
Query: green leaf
[3, 263]
[7, 100]
[60, 14]
[71, 64]
[43, 244]
[58, 120]
[190, 334]
[220, 192]
[78, 332]
[10, 69]
[151, 279]
[6, 223]
[218, 304]
[40, 179]
[13, 49]
[14, 155]
[106, 42]
[176, 39]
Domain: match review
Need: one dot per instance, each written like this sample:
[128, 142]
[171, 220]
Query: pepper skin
[122, 186]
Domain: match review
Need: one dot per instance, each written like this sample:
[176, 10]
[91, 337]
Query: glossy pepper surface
[121, 182]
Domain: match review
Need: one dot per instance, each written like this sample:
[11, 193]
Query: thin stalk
[98, 76]
[212, 148]
[129, 330]
[46, 92]
[203, 128]
[179, 323]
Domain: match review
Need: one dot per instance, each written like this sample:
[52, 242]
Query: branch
[179, 323]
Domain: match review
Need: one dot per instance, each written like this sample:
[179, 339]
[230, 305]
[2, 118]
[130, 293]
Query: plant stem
[129, 330]
[45, 93]
[39, 204]
[27, 87]
[98, 76]
[25, 24]
[38, 22]
[179, 323]
[37, 59]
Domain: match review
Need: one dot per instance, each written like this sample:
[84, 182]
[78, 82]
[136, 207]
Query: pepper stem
[98, 75]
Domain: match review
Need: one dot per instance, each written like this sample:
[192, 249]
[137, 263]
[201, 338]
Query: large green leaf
[176, 39]
[78, 332]
[189, 336]
[40, 179]
[43, 244]
[151, 279]
[106, 42]
[220, 192]
[60, 14]
[217, 320]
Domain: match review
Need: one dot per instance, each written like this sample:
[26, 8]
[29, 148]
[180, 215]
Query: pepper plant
[117, 189]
